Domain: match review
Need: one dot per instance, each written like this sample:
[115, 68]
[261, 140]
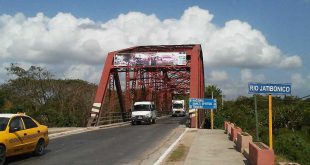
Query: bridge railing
[256, 152]
[113, 117]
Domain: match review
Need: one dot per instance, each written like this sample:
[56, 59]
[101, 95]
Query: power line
[305, 97]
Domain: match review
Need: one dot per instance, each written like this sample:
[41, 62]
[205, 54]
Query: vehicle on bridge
[178, 108]
[143, 112]
[21, 134]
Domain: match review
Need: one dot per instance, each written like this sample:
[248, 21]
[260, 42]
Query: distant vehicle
[21, 134]
[178, 108]
[143, 112]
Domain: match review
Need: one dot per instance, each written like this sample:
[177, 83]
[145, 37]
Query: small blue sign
[277, 89]
[195, 103]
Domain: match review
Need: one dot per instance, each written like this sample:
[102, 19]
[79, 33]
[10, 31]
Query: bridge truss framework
[160, 84]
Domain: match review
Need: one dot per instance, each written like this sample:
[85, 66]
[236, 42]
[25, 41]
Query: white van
[178, 108]
[143, 112]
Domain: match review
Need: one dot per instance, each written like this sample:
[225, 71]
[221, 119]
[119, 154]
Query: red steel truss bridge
[154, 73]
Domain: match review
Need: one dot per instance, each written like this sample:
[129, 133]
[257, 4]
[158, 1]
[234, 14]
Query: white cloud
[72, 43]
[290, 62]
[300, 84]
[218, 76]
[298, 81]
[238, 85]
[85, 72]
[237, 44]
[247, 76]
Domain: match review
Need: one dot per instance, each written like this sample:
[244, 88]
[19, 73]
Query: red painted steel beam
[101, 90]
[196, 76]
[160, 82]
[119, 94]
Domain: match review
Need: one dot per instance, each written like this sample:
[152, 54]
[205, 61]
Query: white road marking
[163, 156]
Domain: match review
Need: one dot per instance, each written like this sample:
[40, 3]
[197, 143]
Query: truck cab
[178, 108]
[143, 112]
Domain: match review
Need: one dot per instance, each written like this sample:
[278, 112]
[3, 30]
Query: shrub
[293, 145]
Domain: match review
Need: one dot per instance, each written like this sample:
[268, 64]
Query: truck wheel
[2, 155]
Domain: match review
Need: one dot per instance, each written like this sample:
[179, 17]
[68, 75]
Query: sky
[243, 40]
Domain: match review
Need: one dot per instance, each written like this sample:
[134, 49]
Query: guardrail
[257, 153]
[113, 117]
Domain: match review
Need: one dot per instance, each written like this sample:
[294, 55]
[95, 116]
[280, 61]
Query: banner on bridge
[150, 59]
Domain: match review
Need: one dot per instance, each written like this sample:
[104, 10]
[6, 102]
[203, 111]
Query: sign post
[196, 113]
[256, 117]
[202, 103]
[278, 89]
[270, 120]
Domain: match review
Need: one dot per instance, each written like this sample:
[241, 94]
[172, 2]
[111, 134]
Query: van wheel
[40, 148]
[2, 155]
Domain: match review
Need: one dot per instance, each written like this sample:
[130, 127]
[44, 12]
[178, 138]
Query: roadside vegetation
[291, 122]
[179, 153]
[53, 102]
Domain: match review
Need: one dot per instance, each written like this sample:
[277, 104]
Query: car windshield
[142, 107]
[3, 123]
[176, 106]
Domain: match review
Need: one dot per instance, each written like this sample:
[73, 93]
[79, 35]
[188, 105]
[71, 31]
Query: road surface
[121, 145]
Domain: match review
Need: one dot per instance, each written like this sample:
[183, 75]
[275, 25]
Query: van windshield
[142, 107]
[177, 106]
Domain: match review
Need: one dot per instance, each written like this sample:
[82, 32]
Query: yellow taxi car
[20, 134]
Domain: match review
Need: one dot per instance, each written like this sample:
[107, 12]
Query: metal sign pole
[196, 113]
[270, 121]
[256, 117]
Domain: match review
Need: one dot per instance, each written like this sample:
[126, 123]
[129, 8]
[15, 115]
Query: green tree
[52, 101]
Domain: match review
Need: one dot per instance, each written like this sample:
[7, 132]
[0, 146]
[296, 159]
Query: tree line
[51, 101]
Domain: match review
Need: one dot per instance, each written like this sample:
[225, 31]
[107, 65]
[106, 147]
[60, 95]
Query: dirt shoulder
[178, 155]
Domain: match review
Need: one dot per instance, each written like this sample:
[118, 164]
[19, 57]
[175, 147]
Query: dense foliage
[53, 102]
[291, 123]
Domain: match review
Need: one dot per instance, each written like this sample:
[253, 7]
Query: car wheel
[133, 123]
[40, 148]
[154, 121]
[2, 154]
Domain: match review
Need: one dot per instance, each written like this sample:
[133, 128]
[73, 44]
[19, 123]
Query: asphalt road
[121, 145]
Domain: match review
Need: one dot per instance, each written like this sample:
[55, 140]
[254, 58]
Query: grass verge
[179, 153]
